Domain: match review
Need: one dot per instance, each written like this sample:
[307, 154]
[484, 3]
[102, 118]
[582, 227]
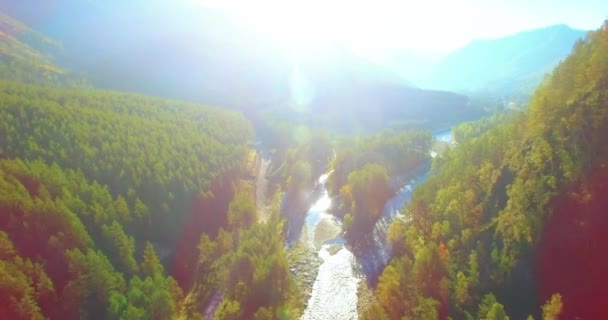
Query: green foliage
[497, 312]
[485, 306]
[398, 152]
[300, 176]
[228, 310]
[396, 288]
[396, 237]
[122, 246]
[263, 314]
[23, 284]
[7, 249]
[469, 130]
[26, 56]
[364, 195]
[485, 202]
[553, 307]
[300, 154]
[155, 155]
[60, 220]
[298, 151]
[88, 176]
[151, 298]
[241, 211]
[259, 276]
[427, 308]
[150, 265]
[95, 279]
[360, 174]
[248, 265]
[375, 312]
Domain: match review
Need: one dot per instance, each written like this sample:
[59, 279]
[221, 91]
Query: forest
[27, 56]
[117, 205]
[481, 219]
[93, 180]
[362, 169]
[122, 206]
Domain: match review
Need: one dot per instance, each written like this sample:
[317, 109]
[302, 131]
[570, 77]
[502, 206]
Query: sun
[310, 32]
[299, 26]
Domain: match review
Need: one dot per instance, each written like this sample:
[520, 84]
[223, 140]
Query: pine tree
[151, 265]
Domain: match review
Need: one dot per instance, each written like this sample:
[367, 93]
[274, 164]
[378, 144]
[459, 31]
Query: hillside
[95, 184]
[216, 65]
[511, 66]
[125, 141]
[486, 237]
[253, 179]
[28, 56]
[345, 93]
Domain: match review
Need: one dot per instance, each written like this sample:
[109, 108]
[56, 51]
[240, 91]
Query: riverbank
[365, 297]
[262, 163]
[304, 265]
[397, 181]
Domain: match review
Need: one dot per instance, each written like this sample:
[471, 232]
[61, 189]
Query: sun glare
[370, 28]
[310, 31]
[298, 25]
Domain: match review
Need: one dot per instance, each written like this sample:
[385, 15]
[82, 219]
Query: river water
[445, 136]
[334, 292]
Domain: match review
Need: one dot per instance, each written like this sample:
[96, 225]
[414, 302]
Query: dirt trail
[261, 186]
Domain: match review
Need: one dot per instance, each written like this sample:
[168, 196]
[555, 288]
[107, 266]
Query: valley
[186, 160]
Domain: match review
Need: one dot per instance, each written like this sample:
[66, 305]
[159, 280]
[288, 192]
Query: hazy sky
[422, 26]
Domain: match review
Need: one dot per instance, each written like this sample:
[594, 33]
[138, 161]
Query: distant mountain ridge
[212, 58]
[28, 56]
[505, 66]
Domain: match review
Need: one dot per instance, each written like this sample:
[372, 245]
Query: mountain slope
[210, 57]
[92, 182]
[488, 226]
[28, 56]
[506, 66]
[348, 93]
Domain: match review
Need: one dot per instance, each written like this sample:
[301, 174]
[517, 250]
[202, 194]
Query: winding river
[334, 292]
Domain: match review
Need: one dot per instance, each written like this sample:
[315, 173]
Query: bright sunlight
[374, 28]
[305, 26]
[303, 159]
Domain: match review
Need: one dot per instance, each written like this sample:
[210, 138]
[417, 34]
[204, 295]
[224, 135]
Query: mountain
[505, 66]
[28, 56]
[352, 94]
[415, 67]
[201, 54]
[513, 221]
[155, 48]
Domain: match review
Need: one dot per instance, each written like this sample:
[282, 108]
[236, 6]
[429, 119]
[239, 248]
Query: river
[334, 292]
[445, 136]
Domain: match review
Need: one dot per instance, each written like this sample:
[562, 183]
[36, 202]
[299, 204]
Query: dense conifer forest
[117, 205]
[471, 241]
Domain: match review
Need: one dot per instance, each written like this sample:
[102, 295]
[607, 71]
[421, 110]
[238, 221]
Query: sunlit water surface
[445, 136]
[334, 293]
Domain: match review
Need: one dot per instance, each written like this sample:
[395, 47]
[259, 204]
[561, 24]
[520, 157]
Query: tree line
[361, 171]
[466, 246]
[91, 181]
